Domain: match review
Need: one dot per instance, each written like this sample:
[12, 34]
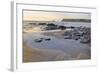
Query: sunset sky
[53, 16]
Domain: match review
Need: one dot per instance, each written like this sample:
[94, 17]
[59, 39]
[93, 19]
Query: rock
[38, 40]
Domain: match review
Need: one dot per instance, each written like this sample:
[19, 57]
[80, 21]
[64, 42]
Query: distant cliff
[76, 20]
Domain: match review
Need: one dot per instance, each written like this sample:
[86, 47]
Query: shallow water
[69, 46]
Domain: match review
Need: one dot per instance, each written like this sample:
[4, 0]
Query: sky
[52, 16]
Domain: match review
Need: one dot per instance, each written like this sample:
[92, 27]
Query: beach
[36, 55]
[57, 49]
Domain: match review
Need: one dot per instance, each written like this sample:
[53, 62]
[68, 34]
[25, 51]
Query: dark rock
[38, 40]
[47, 39]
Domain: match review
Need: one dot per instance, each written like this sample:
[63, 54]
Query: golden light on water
[35, 29]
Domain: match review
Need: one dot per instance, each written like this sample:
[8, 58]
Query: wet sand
[38, 55]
